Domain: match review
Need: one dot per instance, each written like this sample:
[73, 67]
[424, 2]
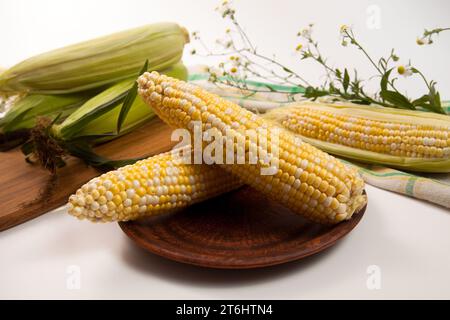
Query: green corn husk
[7, 101]
[98, 120]
[99, 62]
[22, 115]
[89, 121]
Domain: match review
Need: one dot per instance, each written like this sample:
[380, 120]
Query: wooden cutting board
[23, 184]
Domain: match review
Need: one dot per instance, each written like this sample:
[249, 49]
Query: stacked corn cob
[413, 140]
[307, 180]
[153, 186]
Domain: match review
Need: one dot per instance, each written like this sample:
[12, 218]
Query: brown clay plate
[238, 230]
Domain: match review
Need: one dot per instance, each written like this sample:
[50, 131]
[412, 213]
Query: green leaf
[423, 100]
[84, 151]
[385, 79]
[15, 121]
[397, 99]
[71, 130]
[332, 88]
[314, 93]
[346, 80]
[56, 119]
[129, 99]
[94, 138]
[382, 63]
[435, 100]
[361, 101]
[430, 101]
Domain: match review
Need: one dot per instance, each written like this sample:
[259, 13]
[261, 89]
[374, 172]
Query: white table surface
[408, 240]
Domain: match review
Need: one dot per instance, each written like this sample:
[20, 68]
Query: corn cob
[307, 180]
[410, 140]
[153, 186]
[98, 62]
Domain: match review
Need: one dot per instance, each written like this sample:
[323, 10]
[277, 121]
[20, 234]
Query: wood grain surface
[238, 230]
[22, 184]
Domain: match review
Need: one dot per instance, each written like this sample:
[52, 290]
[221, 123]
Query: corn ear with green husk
[96, 121]
[22, 115]
[98, 117]
[99, 62]
[404, 139]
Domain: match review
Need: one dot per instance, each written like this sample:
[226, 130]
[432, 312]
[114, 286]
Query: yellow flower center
[401, 69]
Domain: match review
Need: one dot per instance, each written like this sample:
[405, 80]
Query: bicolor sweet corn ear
[150, 187]
[99, 62]
[308, 181]
[404, 139]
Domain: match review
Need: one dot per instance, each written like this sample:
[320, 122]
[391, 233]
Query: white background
[408, 239]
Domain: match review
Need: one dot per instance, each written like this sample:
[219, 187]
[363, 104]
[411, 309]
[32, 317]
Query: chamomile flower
[405, 70]
[423, 41]
[306, 32]
[215, 71]
[224, 43]
[344, 29]
[235, 61]
[234, 68]
[225, 8]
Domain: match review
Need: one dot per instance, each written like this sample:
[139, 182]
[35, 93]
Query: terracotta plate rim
[339, 231]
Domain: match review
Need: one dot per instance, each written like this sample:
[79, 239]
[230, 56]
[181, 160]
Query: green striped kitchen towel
[434, 188]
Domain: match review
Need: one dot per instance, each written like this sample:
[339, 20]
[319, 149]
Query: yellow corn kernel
[134, 203]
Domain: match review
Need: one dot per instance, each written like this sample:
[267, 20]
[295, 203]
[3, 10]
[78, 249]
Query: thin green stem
[424, 79]
[352, 38]
[245, 38]
[305, 82]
